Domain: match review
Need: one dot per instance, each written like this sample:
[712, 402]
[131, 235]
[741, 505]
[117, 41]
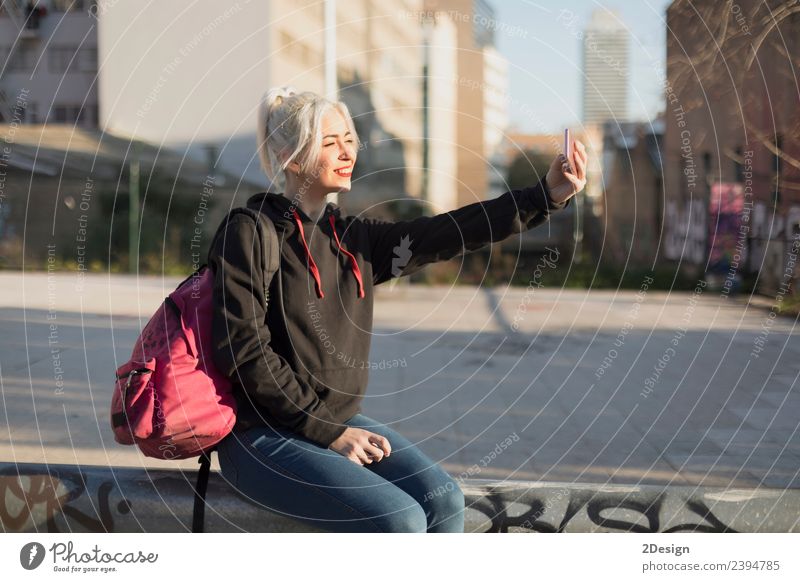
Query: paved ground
[629, 387]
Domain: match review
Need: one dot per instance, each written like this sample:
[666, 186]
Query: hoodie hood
[281, 210]
[290, 218]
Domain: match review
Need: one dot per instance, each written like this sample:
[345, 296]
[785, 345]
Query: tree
[527, 169]
[745, 54]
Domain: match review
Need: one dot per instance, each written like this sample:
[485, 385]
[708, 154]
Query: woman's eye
[328, 144]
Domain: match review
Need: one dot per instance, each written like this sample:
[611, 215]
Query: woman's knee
[447, 499]
[409, 520]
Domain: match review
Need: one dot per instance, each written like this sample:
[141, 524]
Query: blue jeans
[296, 477]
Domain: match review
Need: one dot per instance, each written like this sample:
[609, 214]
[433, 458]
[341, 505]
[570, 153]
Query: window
[22, 59]
[91, 115]
[82, 60]
[32, 113]
[69, 5]
[72, 113]
[86, 61]
[58, 58]
[60, 114]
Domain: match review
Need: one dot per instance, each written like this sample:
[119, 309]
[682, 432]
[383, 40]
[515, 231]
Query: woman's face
[338, 155]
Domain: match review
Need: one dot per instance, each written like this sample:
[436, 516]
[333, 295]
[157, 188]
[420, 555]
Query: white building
[188, 77]
[48, 65]
[605, 68]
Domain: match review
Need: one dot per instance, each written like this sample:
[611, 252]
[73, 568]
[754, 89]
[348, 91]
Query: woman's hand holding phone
[567, 173]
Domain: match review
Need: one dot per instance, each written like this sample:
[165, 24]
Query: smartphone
[568, 148]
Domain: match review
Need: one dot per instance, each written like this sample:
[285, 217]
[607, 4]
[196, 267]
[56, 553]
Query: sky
[539, 40]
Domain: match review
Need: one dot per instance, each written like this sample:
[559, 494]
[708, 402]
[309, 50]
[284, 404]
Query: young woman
[301, 446]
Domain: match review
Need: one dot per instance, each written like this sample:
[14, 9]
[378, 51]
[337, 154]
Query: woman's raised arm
[404, 247]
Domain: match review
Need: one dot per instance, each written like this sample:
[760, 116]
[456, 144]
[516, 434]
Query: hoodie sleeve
[241, 338]
[404, 247]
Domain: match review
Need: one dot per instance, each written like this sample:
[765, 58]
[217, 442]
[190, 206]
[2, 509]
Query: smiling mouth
[345, 172]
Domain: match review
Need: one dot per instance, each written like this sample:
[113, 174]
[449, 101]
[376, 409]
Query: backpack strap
[270, 243]
[272, 262]
[199, 511]
[272, 251]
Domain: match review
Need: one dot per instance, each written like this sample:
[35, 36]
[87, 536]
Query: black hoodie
[304, 364]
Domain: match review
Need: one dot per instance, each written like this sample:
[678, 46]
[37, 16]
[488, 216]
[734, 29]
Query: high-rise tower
[605, 68]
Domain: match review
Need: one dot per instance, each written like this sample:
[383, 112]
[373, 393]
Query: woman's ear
[293, 167]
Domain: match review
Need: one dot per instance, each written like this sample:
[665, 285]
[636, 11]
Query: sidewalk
[603, 387]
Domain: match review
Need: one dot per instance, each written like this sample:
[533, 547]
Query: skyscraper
[605, 68]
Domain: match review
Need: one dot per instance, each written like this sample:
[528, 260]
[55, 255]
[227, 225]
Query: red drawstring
[353, 263]
[313, 265]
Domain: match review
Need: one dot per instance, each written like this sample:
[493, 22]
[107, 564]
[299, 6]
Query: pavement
[609, 388]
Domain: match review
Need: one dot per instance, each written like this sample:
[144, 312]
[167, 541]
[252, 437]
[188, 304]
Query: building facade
[195, 83]
[732, 141]
[48, 63]
[605, 68]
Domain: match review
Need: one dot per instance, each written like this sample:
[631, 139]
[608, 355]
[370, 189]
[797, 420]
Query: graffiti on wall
[28, 496]
[63, 500]
[690, 229]
[685, 232]
[585, 510]
[727, 226]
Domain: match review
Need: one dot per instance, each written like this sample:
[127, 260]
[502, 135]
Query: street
[629, 387]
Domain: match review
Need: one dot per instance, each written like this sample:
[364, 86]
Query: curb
[68, 498]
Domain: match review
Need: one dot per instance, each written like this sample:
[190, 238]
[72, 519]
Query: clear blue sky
[545, 58]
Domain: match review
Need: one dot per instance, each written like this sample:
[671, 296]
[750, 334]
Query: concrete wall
[61, 498]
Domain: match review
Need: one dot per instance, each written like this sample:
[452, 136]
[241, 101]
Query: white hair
[290, 129]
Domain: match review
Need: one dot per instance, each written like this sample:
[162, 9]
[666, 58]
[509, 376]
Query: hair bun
[276, 96]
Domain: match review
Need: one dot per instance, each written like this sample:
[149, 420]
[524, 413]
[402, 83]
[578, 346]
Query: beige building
[632, 209]
[470, 83]
[194, 81]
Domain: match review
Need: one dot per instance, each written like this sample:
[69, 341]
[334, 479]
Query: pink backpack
[169, 398]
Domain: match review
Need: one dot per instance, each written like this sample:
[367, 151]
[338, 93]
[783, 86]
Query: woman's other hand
[563, 183]
[361, 446]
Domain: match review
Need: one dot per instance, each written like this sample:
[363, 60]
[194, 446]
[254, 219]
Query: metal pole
[426, 87]
[133, 209]
[331, 82]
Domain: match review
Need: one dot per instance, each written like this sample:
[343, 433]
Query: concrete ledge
[67, 498]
